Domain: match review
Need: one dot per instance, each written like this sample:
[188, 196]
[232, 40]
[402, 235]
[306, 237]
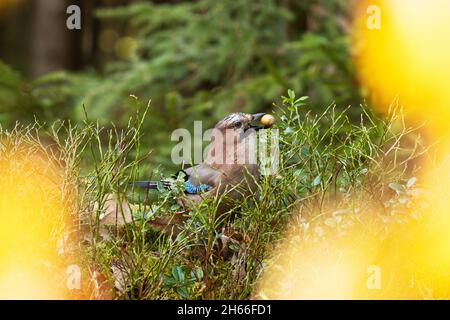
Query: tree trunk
[50, 41]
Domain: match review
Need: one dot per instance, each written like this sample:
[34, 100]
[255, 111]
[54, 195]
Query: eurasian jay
[230, 167]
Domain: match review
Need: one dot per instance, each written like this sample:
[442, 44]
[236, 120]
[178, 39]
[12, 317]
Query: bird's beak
[257, 116]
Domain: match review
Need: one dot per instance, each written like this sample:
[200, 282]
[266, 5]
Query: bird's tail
[188, 186]
[150, 184]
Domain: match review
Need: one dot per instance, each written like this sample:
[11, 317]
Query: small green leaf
[288, 130]
[178, 274]
[183, 292]
[169, 281]
[396, 187]
[138, 215]
[316, 181]
[149, 214]
[291, 94]
[161, 188]
[304, 151]
[411, 182]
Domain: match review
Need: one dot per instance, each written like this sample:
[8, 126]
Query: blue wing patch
[191, 189]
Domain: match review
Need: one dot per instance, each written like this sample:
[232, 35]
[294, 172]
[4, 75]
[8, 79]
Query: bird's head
[234, 137]
[240, 121]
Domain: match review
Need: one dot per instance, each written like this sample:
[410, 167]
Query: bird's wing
[203, 174]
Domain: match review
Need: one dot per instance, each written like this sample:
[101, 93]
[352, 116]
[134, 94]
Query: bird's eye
[237, 124]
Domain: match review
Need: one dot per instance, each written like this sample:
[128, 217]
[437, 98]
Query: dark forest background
[195, 60]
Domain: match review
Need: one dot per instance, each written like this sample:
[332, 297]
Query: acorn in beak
[266, 121]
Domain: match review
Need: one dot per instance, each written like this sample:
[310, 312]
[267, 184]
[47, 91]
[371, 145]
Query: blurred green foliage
[199, 60]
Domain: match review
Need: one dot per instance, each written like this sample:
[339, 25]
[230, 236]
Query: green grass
[325, 160]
